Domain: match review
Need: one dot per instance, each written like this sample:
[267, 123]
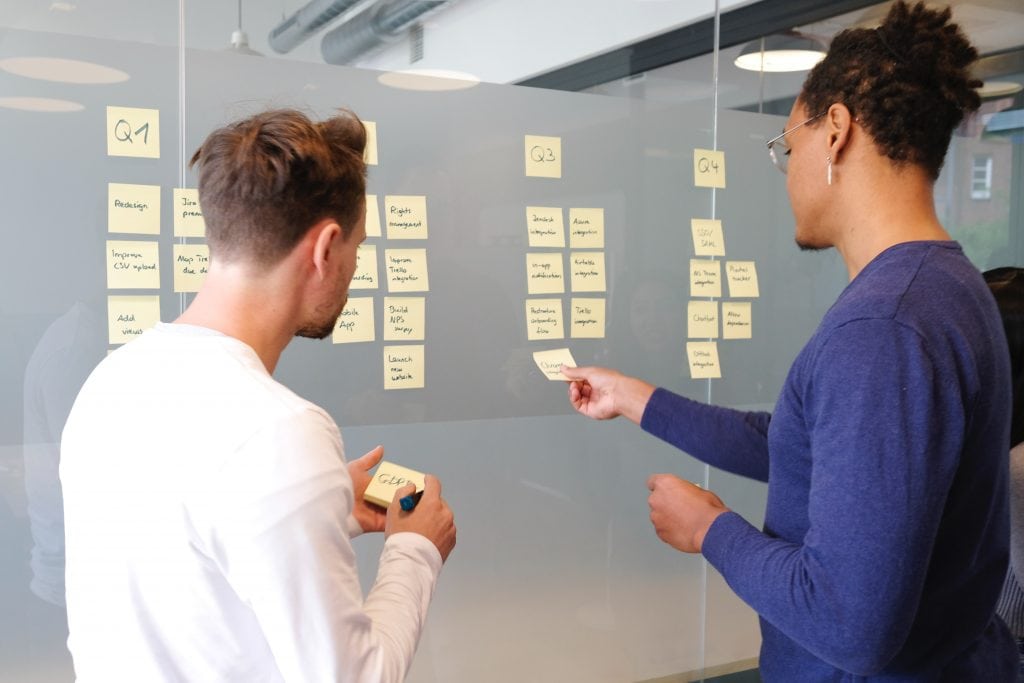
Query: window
[981, 177]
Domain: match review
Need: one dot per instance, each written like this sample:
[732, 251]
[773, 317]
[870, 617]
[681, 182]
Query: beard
[809, 246]
[322, 326]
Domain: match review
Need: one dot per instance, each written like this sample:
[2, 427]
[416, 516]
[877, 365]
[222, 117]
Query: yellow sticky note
[404, 318]
[736, 320]
[587, 271]
[587, 318]
[708, 239]
[543, 156]
[705, 278]
[544, 273]
[188, 215]
[586, 228]
[551, 362]
[406, 270]
[702, 320]
[544, 226]
[133, 208]
[370, 153]
[191, 263]
[406, 217]
[365, 276]
[544, 319]
[708, 168]
[372, 216]
[387, 479]
[133, 265]
[130, 316]
[403, 367]
[355, 324]
[133, 132]
[703, 358]
[742, 277]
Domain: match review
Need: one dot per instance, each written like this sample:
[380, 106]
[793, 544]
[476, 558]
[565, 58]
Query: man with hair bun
[885, 540]
[209, 510]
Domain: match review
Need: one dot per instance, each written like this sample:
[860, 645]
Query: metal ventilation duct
[380, 23]
[306, 21]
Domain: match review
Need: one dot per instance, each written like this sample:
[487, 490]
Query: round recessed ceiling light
[780, 61]
[40, 104]
[999, 89]
[62, 70]
[428, 80]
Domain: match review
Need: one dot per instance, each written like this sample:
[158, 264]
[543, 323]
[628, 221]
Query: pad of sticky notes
[388, 478]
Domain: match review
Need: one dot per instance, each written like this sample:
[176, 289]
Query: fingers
[370, 459]
[431, 486]
[401, 493]
[574, 373]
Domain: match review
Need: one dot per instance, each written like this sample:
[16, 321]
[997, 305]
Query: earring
[829, 172]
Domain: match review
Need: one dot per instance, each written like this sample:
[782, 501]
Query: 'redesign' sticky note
[587, 271]
[703, 358]
[742, 277]
[551, 362]
[543, 156]
[702, 320]
[586, 228]
[707, 237]
[387, 479]
[404, 318]
[587, 318]
[355, 324]
[544, 319]
[406, 270]
[708, 168]
[544, 226]
[133, 265]
[736, 320]
[705, 278]
[372, 216]
[191, 263]
[188, 215]
[370, 153]
[365, 276]
[133, 208]
[406, 217]
[130, 316]
[403, 367]
[544, 274]
[133, 132]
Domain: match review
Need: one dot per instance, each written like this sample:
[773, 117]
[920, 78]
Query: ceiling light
[781, 52]
[62, 70]
[40, 104]
[428, 79]
[999, 89]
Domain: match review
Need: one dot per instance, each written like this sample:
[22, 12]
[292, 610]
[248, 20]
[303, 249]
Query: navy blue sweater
[885, 540]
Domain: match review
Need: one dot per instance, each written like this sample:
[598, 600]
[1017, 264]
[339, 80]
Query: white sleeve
[281, 538]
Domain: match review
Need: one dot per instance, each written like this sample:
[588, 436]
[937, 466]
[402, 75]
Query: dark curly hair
[906, 82]
[265, 180]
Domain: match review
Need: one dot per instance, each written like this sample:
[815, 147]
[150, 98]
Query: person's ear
[324, 234]
[837, 125]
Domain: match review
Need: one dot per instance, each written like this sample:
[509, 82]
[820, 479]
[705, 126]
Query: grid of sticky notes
[387, 295]
[709, 315]
[565, 256]
[132, 252]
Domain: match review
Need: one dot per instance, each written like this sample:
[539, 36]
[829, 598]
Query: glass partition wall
[558, 575]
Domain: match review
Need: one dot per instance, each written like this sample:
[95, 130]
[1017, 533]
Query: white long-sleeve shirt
[208, 516]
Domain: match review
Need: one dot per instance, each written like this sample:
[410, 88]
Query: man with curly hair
[884, 546]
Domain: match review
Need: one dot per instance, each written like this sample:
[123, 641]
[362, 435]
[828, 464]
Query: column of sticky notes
[708, 317]
[545, 261]
[403, 310]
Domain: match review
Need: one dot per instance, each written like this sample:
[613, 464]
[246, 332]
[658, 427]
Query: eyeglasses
[778, 148]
